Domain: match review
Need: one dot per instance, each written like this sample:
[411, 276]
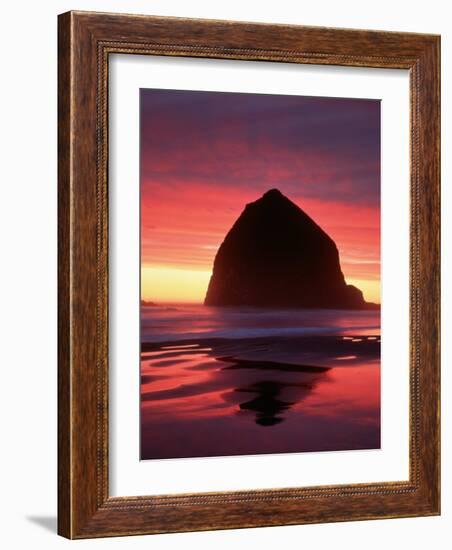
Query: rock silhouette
[275, 255]
[147, 303]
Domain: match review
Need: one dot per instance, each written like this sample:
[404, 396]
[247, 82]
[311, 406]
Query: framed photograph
[248, 275]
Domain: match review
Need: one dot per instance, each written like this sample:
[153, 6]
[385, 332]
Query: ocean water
[235, 381]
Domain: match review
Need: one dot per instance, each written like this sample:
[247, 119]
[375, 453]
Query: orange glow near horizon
[180, 285]
[173, 285]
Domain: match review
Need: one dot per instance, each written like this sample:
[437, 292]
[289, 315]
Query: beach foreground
[230, 381]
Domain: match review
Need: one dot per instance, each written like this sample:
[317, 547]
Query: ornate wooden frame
[85, 42]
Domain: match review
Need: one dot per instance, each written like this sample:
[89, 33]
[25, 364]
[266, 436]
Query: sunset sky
[204, 155]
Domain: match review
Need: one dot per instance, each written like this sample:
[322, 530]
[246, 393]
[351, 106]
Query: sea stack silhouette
[275, 255]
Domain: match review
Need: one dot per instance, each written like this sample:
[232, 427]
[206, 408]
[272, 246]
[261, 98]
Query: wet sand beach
[248, 381]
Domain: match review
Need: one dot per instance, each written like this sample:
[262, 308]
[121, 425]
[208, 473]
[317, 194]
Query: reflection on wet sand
[203, 398]
[267, 395]
[266, 404]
